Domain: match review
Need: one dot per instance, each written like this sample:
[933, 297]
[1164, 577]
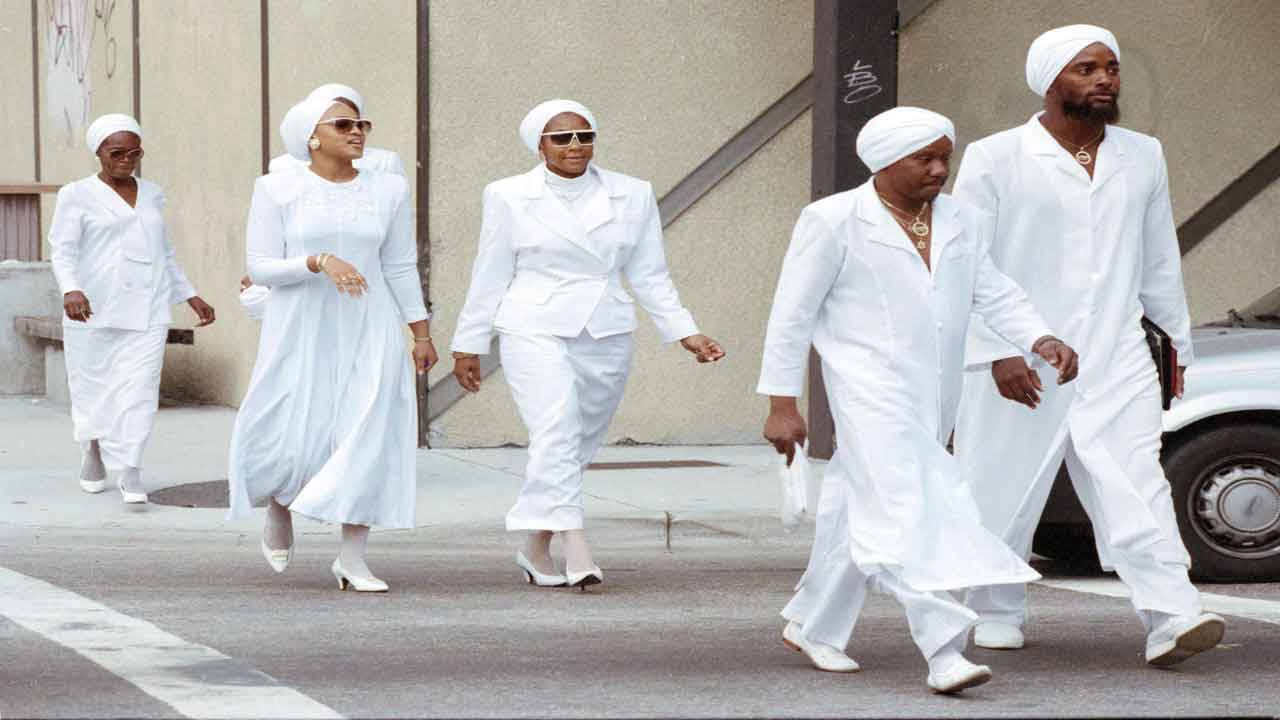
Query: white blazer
[117, 255]
[373, 159]
[541, 270]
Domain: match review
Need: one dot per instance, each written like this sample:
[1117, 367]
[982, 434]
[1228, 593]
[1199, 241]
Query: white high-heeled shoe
[581, 580]
[355, 582]
[277, 559]
[93, 476]
[130, 497]
[538, 578]
[827, 658]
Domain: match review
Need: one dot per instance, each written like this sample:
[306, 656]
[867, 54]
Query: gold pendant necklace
[917, 227]
[1081, 155]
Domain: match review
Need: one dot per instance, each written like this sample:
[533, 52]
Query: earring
[314, 143]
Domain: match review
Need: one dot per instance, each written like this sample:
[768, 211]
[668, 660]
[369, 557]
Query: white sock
[949, 656]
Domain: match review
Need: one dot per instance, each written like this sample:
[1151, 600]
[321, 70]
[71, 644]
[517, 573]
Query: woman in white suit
[555, 244]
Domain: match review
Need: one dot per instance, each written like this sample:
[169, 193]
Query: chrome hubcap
[1236, 508]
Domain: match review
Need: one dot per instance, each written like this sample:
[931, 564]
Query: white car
[1221, 455]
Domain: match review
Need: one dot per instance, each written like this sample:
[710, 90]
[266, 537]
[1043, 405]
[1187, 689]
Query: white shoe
[1180, 637]
[824, 657]
[581, 580]
[277, 559]
[538, 578]
[93, 486]
[959, 676]
[998, 636]
[359, 584]
[131, 497]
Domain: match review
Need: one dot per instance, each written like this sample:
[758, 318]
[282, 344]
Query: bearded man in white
[880, 280]
[1082, 221]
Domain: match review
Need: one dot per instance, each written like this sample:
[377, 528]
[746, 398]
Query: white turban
[333, 91]
[1051, 52]
[298, 125]
[895, 134]
[108, 125]
[537, 119]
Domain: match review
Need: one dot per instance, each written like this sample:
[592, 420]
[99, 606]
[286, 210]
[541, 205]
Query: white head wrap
[1051, 52]
[333, 91]
[895, 134]
[108, 125]
[537, 119]
[298, 125]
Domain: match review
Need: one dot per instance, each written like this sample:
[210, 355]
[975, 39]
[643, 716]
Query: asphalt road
[693, 631]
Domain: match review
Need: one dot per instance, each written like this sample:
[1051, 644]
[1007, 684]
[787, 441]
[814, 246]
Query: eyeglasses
[346, 125]
[565, 138]
[121, 154]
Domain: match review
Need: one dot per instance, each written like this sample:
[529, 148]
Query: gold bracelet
[422, 339]
[322, 259]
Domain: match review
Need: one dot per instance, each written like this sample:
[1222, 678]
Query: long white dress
[1094, 255]
[328, 426]
[120, 258]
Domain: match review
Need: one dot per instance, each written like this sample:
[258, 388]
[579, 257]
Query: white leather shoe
[998, 636]
[93, 486]
[959, 676]
[824, 657]
[1180, 637]
[581, 580]
[277, 559]
[538, 578]
[355, 582]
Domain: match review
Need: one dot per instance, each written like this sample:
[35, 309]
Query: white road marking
[1267, 611]
[195, 680]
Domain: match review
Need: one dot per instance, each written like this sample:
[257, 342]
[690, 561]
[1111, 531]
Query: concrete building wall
[16, 116]
[26, 288]
[1202, 75]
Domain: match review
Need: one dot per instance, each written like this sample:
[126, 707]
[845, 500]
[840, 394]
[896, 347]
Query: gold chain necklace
[917, 226]
[1082, 156]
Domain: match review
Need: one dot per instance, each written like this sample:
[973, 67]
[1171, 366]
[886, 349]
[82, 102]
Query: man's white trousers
[567, 390]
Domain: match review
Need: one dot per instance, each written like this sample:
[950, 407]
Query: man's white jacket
[541, 270]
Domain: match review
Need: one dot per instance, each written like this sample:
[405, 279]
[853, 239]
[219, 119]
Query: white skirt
[114, 377]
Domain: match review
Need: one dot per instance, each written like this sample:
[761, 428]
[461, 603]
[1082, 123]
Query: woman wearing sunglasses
[118, 278]
[555, 245]
[328, 427]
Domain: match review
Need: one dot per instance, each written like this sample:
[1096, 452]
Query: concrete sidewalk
[39, 462]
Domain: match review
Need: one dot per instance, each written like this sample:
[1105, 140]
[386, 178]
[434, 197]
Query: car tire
[1226, 495]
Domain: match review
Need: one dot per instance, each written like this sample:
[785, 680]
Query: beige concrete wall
[1239, 262]
[1202, 75]
[201, 115]
[669, 83]
[16, 116]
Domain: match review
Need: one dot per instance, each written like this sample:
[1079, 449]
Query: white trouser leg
[936, 618]
[829, 601]
[566, 390]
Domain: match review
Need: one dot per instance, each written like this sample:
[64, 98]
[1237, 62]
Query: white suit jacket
[373, 159]
[117, 255]
[541, 270]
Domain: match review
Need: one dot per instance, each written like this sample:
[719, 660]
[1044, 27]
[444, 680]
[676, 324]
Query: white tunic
[891, 337]
[329, 423]
[1094, 255]
[119, 257]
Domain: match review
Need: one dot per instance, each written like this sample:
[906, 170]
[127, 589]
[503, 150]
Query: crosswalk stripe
[1267, 611]
[195, 680]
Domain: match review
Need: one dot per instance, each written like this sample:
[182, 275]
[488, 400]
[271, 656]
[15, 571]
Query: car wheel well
[1173, 439]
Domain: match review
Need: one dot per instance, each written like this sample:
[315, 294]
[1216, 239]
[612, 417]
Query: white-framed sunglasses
[565, 138]
[346, 125]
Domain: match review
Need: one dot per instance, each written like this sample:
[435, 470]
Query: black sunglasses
[565, 138]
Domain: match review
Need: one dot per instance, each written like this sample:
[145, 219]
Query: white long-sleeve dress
[119, 257]
[328, 426]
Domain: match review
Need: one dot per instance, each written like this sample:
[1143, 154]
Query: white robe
[1094, 256]
[329, 423]
[120, 258]
[891, 337]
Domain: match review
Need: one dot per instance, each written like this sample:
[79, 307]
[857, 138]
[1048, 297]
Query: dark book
[1165, 357]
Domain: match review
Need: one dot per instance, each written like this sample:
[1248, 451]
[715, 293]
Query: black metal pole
[855, 70]
[420, 208]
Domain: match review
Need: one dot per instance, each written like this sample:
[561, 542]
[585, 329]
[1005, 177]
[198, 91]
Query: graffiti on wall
[74, 29]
